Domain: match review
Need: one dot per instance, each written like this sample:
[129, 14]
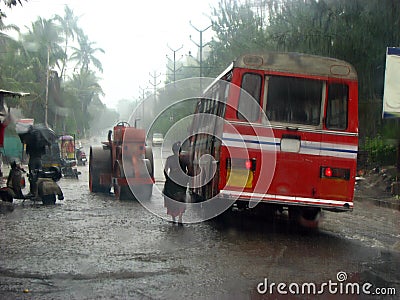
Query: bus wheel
[309, 217]
[294, 214]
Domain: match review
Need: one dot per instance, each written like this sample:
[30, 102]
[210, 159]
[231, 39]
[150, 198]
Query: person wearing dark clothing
[35, 153]
[35, 149]
[175, 185]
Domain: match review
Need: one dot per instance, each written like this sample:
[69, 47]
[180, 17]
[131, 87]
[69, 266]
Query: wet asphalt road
[90, 246]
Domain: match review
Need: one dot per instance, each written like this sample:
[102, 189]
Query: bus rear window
[249, 101]
[294, 100]
[336, 112]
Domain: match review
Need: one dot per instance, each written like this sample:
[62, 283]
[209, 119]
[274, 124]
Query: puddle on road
[91, 245]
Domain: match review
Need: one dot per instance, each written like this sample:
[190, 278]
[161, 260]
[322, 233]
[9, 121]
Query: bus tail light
[250, 164]
[335, 173]
[240, 172]
[328, 172]
[247, 164]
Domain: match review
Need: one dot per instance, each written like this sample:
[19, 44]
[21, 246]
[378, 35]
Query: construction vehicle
[123, 163]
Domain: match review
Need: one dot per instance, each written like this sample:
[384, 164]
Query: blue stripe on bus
[304, 147]
[251, 141]
[330, 149]
[339, 150]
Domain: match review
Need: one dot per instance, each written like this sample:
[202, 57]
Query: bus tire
[309, 217]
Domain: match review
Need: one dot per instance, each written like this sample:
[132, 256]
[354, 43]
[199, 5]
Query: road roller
[124, 164]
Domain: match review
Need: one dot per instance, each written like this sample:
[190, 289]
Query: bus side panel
[340, 153]
[339, 147]
[297, 174]
[353, 108]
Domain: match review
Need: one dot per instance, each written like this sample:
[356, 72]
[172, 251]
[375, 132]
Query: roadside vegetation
[357, 31]
[56, 53]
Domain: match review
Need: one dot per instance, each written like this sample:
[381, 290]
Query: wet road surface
[90, 246]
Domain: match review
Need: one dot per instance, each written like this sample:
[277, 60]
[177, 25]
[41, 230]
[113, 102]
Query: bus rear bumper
[327, 204]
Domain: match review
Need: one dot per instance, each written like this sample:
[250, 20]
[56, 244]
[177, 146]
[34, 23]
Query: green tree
[85, 54]
[42, 53]
[41, 50]
[357, 31]
[238, 29]
[9, 4]
[8, 46]
[86, 88]
[4, 38]
[69, 24]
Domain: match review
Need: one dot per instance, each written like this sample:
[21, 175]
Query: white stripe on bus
[306, 147]
[301, 128]
[286, 199]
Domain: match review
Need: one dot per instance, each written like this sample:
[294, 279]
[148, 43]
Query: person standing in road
[36, 149]
[175, 173]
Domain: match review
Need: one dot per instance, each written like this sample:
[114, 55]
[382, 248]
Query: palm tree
[43, 41]
[86, 88]
[7, 46]
[44, 52]
[4, 38]
[69, 24]
[9, 4]
[85, 54]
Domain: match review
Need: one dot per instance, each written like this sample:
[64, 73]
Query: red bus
[284, 133]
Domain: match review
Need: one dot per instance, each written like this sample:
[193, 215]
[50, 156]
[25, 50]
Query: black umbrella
[38, 135]
[45, 133]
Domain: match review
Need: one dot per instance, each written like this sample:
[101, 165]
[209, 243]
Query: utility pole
[143, 97]
[155, 83]
[142, 91]
[174, 61]
[200, 46]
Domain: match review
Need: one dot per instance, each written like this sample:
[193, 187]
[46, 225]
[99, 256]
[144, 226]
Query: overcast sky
[134, 35]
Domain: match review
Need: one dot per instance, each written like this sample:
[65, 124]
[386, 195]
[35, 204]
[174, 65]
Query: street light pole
[155, 83]
[142, 102]
[201, 46]
[174, 61]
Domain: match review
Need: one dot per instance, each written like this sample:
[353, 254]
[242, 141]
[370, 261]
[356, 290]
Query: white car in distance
[158, 139]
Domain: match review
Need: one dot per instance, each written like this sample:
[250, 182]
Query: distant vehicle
[158, 139]
[68, 158]
[80, 156]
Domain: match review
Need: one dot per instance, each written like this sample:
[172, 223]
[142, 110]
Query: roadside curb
[390, 203]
